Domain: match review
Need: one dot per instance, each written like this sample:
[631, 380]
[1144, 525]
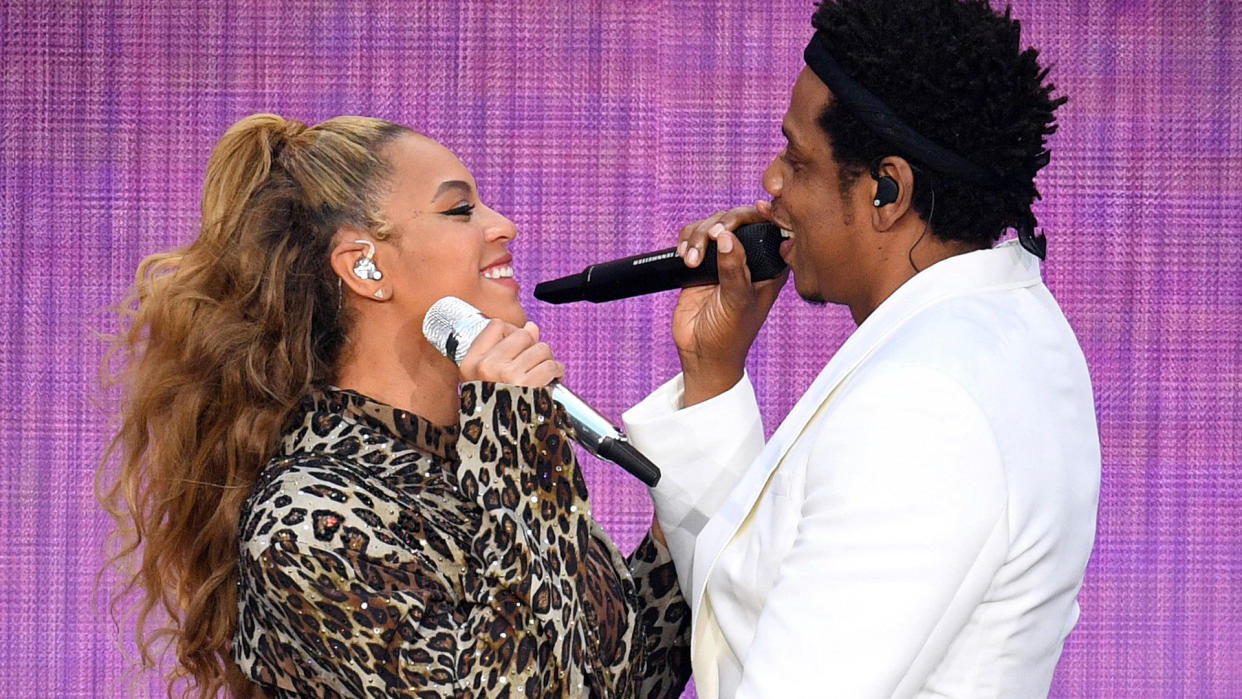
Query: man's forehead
[810, 96]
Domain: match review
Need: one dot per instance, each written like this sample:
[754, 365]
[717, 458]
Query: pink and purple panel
[600, 128]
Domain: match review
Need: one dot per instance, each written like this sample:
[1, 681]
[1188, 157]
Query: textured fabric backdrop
[600, 127]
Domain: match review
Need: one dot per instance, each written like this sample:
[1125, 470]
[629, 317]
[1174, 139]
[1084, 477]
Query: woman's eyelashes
[460, 210]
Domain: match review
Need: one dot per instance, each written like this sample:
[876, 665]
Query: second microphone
[663, 269]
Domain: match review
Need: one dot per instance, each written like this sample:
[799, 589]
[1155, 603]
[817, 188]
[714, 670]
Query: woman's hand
[505, 353]
[714, 326]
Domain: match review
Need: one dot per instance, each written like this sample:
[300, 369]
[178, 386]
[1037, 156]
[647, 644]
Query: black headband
[877, 116]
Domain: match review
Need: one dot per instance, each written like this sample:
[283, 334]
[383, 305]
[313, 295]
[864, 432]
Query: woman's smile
[501, 272]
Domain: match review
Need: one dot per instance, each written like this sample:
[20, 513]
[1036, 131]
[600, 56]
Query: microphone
[451, 326]
[663, 269]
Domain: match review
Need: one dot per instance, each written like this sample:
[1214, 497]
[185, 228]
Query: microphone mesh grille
[763, 249]
[452, 317]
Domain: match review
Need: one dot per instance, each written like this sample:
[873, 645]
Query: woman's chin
[515, 315]
[507, 309]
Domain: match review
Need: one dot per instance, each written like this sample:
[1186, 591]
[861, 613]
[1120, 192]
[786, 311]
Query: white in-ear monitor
[365, 268]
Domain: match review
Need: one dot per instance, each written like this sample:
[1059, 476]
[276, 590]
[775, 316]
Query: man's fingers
[693, 239]
[739, 216]
[733, 275]
[769, 289]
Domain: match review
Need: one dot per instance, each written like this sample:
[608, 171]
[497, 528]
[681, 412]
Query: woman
[324, 505]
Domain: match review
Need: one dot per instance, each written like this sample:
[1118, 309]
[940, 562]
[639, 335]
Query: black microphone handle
[662, 270]
[623, 454]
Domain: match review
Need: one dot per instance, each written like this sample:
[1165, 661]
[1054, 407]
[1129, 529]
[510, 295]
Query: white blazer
[920, 522]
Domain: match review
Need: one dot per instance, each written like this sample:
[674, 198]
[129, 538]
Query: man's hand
[714, 326]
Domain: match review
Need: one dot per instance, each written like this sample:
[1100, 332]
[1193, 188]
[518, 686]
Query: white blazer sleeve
[701, 450]
[905, 499]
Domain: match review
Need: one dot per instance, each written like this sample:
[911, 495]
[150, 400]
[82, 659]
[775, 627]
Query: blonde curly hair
[219, 341]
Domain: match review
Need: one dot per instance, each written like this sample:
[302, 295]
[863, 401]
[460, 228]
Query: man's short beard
[814, 299]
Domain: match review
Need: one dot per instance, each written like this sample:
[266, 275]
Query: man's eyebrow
[449, 185]
[789, 139]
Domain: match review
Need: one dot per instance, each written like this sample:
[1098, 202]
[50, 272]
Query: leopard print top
[383, 555]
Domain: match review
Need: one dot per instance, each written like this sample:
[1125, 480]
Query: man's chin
[809, 295]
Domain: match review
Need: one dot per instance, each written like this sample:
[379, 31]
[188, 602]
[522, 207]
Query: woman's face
[445, 241]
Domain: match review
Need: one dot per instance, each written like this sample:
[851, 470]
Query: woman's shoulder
[314, 478]
[308, 497]
[291, 487]
[325, 502]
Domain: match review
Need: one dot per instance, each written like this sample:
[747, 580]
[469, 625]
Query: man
[920, 522]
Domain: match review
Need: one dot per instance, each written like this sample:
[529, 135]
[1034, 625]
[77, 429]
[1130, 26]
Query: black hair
[954, 71]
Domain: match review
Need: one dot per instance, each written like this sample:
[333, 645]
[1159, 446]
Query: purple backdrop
[600, 127]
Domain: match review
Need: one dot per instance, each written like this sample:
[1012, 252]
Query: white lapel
[1006, 265]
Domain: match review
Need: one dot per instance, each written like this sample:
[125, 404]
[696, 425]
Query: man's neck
[898, 262]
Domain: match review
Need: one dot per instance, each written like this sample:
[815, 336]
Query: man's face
[827, 246]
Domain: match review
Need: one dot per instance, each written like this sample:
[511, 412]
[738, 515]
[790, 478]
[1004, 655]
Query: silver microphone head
[451, 326]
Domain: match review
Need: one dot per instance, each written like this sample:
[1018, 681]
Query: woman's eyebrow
[449, 185]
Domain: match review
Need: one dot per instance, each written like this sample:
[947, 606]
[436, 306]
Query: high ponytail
[223, 337]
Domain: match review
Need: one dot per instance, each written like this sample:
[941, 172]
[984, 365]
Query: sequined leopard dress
[383, 555]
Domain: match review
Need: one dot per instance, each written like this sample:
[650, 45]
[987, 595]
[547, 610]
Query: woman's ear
[355, 261]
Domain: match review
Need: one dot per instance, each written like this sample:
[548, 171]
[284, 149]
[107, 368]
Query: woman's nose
[501, 228]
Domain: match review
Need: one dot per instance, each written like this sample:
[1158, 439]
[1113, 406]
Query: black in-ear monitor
[885, 188]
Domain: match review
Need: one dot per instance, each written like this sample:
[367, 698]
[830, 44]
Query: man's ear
[355, 260]
[892, 191]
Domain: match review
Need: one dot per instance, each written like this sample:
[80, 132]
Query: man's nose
[773, 178]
